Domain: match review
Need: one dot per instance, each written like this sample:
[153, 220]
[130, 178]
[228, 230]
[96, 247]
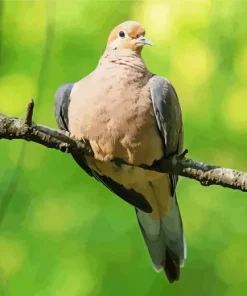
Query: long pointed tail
[165, 240]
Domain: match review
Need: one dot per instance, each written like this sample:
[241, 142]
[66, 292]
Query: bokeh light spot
[16, 90]
[53, 216]
[12, 256]
[234, 109]
[231, 265]
[156, 18]
[193, 62]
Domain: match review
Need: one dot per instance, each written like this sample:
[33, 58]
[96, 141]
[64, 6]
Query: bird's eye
[121, 34]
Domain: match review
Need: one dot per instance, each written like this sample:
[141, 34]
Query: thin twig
[29, 113]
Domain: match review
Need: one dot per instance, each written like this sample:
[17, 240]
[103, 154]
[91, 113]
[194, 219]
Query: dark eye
[121, 34]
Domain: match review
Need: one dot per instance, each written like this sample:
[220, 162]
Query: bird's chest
[117, 119]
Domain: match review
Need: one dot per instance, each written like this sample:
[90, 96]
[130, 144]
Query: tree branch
[16, 128]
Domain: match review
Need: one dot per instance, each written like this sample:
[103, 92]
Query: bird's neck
[125, 58]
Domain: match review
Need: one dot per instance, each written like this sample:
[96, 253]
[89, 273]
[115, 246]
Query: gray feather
[61, 105]
[168, 114]
[163, 233]
[164, 237]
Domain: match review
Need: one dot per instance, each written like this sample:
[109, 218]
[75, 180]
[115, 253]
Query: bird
[132, 120]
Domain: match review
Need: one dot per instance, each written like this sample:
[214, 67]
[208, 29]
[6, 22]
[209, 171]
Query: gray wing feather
[164, 238]
[168, 115]
[61, 106]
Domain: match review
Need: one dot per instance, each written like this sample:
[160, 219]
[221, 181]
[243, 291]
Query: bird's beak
[144, 41]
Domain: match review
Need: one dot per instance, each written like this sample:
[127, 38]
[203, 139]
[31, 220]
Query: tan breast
[114, 112]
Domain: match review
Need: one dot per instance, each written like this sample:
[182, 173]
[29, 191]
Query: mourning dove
[132, 120]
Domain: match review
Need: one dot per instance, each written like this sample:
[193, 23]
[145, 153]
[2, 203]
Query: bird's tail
[165, 240]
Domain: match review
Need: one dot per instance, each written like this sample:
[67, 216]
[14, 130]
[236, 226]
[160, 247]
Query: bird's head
[128, 35]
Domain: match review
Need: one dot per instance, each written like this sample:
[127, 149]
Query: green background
[64, 234]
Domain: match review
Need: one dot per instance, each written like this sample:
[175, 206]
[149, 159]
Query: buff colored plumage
[132, 119]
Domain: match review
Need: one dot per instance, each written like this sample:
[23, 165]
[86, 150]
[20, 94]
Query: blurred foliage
[64, 234]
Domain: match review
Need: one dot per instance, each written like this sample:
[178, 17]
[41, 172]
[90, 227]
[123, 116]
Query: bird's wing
[62, 98]
[168, 116]
[164, 237]
[61, 105]
[62, 101]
